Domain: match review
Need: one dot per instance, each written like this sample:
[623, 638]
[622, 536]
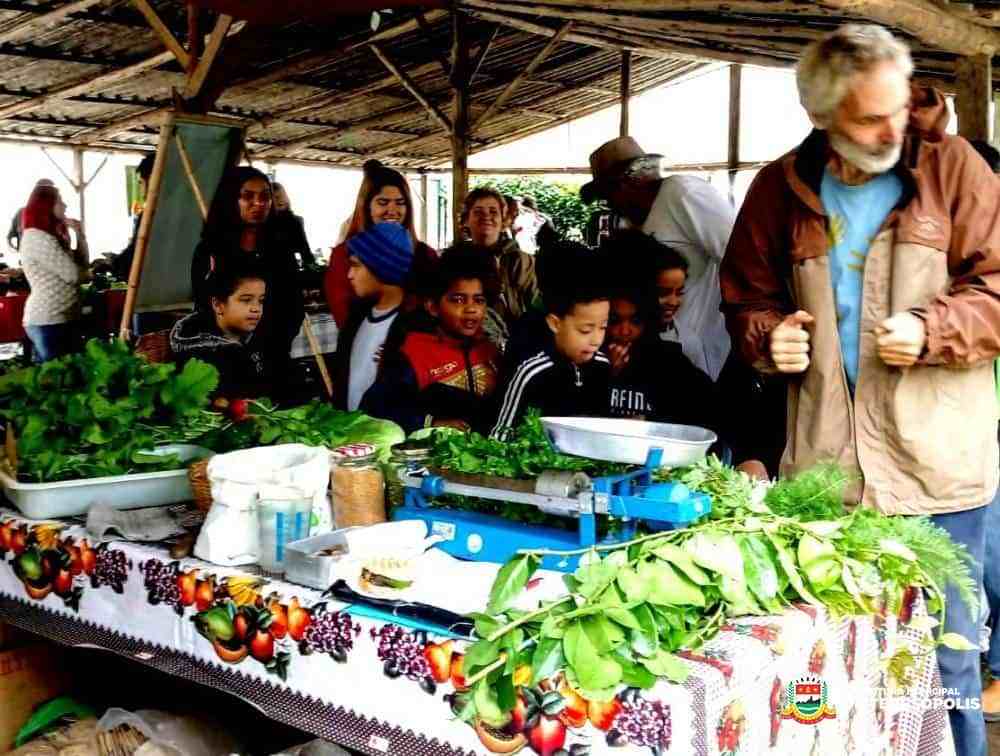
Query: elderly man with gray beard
[865, 266]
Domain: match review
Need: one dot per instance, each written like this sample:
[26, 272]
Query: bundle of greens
[526, 453]
[101, 411]
[315, 424]
[631, 607]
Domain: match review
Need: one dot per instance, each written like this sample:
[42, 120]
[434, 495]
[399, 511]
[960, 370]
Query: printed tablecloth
[799, 683]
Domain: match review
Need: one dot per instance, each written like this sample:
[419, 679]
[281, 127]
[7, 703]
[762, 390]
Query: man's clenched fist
[790, 343]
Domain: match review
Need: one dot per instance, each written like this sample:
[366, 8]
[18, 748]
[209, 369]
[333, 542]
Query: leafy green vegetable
[816, 494]
[510, 581]
[94, 413]
[632, 606]
[314, 424]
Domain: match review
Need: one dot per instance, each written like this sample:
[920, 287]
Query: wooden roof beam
[163, 32]
[539, 58]
[608, 40]
[928, 22]
[261, 79]
[87, 84]
[196, 81]
[44, 19]
[411, 86]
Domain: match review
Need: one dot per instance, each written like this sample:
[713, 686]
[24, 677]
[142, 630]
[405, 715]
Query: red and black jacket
[435, 377]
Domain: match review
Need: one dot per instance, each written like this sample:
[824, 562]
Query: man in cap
[683, 212]
[865, 267]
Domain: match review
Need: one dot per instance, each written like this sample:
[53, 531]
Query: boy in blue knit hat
[380, 262]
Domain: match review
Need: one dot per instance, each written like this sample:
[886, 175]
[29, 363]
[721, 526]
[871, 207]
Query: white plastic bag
[230, 535]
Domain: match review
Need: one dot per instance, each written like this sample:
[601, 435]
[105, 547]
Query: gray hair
[827, 65]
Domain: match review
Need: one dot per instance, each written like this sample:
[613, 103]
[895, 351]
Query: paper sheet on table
[146, 525]
[442, 580]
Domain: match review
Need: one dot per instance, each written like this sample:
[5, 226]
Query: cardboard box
[29, 676]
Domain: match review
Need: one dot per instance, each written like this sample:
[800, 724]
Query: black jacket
[243, 368]
[294, 230]
[660, 384]
[285, 306]
[554, 386]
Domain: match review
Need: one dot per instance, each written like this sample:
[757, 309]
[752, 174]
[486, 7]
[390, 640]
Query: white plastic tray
[41, 501]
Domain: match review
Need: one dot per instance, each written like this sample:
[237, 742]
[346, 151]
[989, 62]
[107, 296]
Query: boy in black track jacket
[568, 376]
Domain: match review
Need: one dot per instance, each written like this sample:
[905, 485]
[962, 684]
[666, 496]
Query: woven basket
[155, 347]
[200, 487]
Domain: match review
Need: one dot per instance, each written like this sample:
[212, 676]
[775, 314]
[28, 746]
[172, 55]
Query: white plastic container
[280, 524]
[68, 498]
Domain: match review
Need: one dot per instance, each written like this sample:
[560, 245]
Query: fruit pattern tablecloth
[800, 683]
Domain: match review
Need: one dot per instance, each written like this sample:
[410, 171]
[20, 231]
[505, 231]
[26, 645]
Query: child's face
[670, 293]
[242, 310]
[625, 325]
[462, 308]
[363, 281]
[580, 332]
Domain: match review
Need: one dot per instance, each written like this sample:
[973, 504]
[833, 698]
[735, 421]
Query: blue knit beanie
[386, 249]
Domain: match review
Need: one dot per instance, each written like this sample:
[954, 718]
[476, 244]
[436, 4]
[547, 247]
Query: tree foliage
[559, 201]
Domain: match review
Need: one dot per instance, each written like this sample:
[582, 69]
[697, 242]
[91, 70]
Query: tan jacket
[923, 439]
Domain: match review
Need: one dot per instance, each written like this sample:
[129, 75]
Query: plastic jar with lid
[358, 486]
[406, 458]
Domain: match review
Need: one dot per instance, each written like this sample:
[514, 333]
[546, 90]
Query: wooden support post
[142, 237]
[424, 209]
[411, 86]
[626, 88]
[973, 80]
[508, 92]
[735, 79]
[80, 185]
[460, 131]
[196, 81]
[163, 31]
[195, 44]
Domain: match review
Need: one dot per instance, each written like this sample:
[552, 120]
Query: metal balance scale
[632, 496]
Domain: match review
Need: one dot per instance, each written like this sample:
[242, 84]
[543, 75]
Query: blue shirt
[855, 214]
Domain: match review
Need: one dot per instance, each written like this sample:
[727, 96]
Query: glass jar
[358, 486]
[406, 458]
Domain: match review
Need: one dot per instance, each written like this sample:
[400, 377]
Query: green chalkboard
[177, 222]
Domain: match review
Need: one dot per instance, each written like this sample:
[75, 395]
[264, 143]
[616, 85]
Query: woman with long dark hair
[384, 197]
[241, 227]
[54, 271]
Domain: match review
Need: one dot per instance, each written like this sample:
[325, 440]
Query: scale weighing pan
[629, 441]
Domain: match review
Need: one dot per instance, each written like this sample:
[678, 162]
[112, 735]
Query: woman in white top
[54, 271]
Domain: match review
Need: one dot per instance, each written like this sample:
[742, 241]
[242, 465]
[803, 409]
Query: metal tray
[67, 498]
[628, 441]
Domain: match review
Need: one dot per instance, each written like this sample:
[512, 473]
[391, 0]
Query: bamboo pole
[508, 92]
[163, 32]
[199, 196]
[411, 86]
[195, 46]
[145, 224]
[626, 86]
[196, 81]
[318, 355]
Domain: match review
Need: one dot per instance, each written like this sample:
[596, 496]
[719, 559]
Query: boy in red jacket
[444, 375]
